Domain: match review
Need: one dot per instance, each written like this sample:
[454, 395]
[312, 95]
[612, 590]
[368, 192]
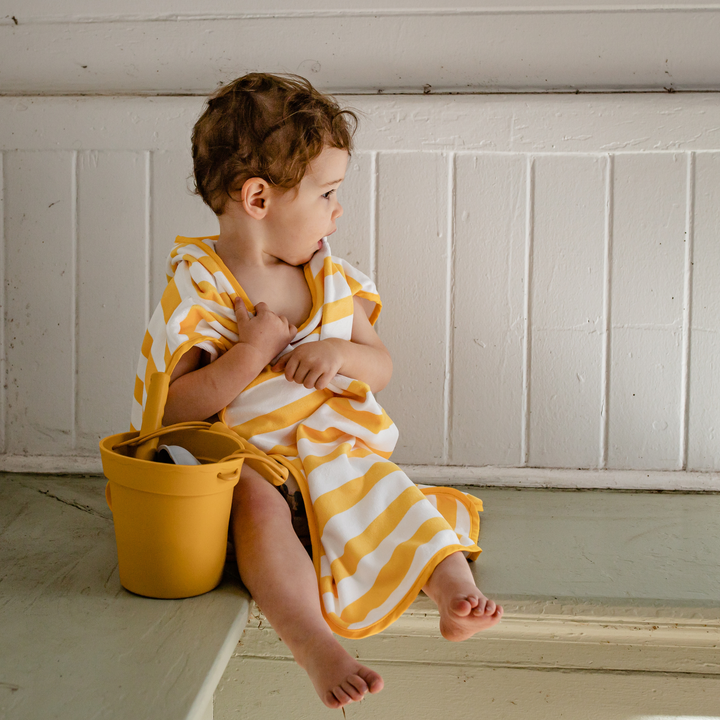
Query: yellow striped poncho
[376, 536]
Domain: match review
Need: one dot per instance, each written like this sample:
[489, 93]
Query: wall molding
[529, 477]
[633, 480]
[551, 48]
[537, 634]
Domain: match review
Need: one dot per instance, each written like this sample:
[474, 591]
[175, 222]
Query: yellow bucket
[171, 521]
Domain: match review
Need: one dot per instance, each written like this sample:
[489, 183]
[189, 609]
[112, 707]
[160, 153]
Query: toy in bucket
[171, 521]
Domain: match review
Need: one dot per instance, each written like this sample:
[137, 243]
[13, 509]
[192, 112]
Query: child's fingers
[300, 373]
[290, 368]
[279, 366]
[311, 379]
[241, 312]
[325, 379]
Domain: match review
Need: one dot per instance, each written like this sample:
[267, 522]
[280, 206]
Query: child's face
[301, 217]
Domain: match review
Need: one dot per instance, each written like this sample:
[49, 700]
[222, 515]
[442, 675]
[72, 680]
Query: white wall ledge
[523, 47]
[633, 480]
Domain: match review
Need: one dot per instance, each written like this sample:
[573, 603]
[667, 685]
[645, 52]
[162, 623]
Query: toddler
[262, 327]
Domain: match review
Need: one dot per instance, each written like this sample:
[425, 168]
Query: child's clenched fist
[267, 332]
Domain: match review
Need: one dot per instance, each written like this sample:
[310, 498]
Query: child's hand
[267, 332]
[313, 364]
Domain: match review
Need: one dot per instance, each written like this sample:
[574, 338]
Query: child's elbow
[385, 370]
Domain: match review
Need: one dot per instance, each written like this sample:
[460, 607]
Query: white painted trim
[565, 479]
[593, 124]
[446, 475]
[48, 464]
[202, 707]
[539, 621]
[276, 11]
[538, 634]
[497, 49]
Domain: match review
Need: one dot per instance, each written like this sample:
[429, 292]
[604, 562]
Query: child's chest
[284, 290]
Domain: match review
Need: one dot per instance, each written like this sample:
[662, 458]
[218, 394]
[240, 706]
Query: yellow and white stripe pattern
[376, 536]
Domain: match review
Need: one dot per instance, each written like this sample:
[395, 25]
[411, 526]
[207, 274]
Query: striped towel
[376, 535]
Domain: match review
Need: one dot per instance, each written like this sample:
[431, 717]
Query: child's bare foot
[464, 610]
[338, 678]
[467, 613]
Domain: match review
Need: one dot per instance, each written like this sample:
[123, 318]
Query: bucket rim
[107, 443]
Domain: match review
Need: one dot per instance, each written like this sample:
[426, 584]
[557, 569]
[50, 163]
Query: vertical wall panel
[412, 269]
[3, 384]
[77, 293]
[488, 310]
[174, 210]
[567, 311]
[354, 237]
[112, 292]
[704, 416]
[39, 287]
[647, 311]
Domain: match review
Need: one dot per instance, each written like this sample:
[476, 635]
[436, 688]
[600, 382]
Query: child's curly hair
[266, 126]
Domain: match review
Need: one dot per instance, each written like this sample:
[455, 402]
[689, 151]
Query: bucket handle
[147, 439]
[108, 497]
[233, 476]
[272, 465]
[153, 415]
[139, 439]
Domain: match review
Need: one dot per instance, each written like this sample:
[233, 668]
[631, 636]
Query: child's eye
[328, 194]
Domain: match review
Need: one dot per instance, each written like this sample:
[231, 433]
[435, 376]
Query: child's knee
[256, 500]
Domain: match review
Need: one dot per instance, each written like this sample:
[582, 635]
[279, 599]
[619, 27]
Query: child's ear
[254, 197]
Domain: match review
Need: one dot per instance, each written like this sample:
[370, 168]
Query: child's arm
[197, 393]
[363, 358]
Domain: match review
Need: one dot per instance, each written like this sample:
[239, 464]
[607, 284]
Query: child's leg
[464, 610]
[279, 574]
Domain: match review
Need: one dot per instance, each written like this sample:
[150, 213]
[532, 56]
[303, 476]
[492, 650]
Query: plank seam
[75, 305]
[607, 311]
[450, 310]
[687, 312]
[527, 300]
[149, 269]
[3, 300]
[374, 227]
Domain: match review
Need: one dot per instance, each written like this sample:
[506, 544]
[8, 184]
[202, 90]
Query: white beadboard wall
[548, 265]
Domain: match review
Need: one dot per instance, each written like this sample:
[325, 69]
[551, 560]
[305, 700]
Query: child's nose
[338, 211]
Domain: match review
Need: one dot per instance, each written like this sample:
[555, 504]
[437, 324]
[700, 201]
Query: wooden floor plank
[74, 644]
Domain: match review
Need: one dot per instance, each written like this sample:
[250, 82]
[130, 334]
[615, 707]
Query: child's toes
[490, 607]
[359, 684]
[461, 606]
[351, 691]
[480, 608]
[331, 701]
[374, 682]
[342, 697]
